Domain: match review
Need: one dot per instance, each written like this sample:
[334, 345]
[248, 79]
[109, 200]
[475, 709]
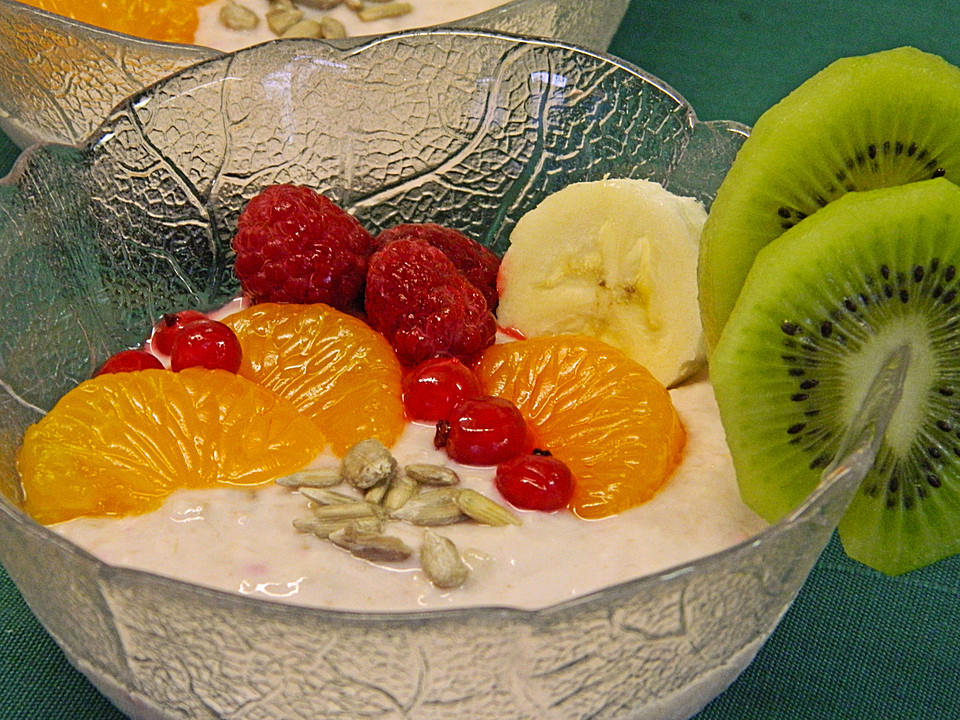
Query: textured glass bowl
[103, 237]
[60, 78]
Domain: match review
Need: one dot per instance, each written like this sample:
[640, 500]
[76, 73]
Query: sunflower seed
[235, 16]
[346, 511]
[429, 474]
[369, 13]
[282, 15]
[320, 528]
[314, 477]
[402, 488]
[441, 561]
[368, 463]
[371, 546]
[376, 494]
[484, 510]
[332, 28]
[320, 4]
[324, 496]
[306, 28]
[323, 528]
[433, 507]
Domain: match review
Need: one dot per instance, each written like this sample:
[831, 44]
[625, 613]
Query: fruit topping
[168, 326]
[424, 305]
[477, 262]
[604, 415]
[205, 343]
[129, 361]
[330, 365]
[295, 245]
[537, 481]
[821, 309]
[862, 123]
[120, 443]
[615, 260]
[484, 431]
[433, 388]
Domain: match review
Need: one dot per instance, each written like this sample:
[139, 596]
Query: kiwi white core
[912, 329]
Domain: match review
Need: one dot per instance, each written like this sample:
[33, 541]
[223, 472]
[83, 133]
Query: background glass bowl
[104, 237]
[60, 78]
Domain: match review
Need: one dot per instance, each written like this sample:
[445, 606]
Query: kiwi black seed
[862, 123]
[821, 309]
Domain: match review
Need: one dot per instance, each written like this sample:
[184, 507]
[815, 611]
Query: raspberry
[477, 262]
[294, 245]
[424, 306]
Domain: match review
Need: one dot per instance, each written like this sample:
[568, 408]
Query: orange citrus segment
[118, 444]
[164, 20]
[332, 366]
[600, 412]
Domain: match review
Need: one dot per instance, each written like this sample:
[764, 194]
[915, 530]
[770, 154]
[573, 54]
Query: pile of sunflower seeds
[286, 20]
[380, 491]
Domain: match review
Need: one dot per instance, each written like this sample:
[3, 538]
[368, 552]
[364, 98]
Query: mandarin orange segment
[118, 444]
[165, 20]
[333, 367]
[593, 407]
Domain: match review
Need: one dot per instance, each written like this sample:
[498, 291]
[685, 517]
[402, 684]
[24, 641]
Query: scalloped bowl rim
[192, 47]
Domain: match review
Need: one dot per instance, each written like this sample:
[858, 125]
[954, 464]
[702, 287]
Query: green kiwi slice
[820, 311]
[862, 123]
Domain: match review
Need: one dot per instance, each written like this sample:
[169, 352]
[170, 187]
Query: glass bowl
[104, 236]
[60, 78]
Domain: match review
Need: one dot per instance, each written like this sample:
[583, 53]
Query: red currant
[129, 361]
[168, 326]
[432, 389]
[206, 343]
[535, 482]
[485, 431]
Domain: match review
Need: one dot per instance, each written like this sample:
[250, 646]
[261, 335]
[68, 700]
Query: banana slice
[616, 260]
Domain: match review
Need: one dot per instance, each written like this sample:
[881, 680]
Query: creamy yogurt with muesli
[243, 540]
[212, 32]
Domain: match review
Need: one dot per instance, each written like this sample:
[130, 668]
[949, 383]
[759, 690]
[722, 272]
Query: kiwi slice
[821, 309]
[862, 123]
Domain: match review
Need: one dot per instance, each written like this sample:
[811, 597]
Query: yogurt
[212, 33]
[243, 540]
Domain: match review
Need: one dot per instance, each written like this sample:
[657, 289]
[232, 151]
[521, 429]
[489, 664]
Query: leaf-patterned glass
[471, 128]
[60, 78]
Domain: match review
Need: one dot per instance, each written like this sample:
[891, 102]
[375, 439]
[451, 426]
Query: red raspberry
[478, 263]
[424, 306]
[295, 245]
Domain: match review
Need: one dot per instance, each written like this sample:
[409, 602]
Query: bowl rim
[10, 513]
[462, 22]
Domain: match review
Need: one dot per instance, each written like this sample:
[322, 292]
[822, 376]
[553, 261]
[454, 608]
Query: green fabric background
[855, 644]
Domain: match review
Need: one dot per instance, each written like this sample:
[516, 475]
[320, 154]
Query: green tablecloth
[855, 644]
